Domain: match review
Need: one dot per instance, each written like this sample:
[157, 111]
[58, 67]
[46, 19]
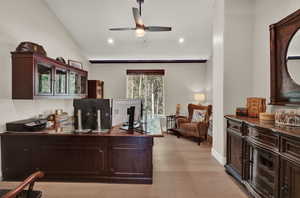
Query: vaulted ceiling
[88, 22]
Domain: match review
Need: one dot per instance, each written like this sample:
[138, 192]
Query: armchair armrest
[181, 120]
[203, 128]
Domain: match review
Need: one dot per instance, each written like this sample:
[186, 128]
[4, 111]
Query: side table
[171, 122]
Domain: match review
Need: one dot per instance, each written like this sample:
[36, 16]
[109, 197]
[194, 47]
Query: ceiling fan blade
[158, 29]
[137, 17]
[121, 29]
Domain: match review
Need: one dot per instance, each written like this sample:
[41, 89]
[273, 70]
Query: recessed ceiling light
[181, 40]
[110, 41]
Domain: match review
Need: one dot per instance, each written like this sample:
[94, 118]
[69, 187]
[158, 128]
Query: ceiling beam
[148, 61]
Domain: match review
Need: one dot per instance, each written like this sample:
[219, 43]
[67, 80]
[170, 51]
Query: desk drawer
[264, 136]
[234, 125]
[290, 147]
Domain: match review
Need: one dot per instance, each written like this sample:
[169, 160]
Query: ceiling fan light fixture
[140, 32]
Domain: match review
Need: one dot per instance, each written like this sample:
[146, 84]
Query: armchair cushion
[199, 115]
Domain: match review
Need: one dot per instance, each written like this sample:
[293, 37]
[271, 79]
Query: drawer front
[264, 136]
[131, 141]
[290, 147]
[234, 125]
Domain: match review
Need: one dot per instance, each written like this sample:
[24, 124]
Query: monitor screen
[119, 111]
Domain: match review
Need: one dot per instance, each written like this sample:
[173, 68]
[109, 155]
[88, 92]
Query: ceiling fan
[140, 28]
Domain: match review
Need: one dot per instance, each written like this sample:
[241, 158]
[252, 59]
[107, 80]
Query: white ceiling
[88, 22]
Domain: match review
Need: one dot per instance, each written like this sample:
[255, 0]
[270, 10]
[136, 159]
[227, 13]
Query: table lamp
[199, 97]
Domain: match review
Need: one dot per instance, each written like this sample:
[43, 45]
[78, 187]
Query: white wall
[181, 81]
[30, 20]
[232, 64]
[267, 12]
[218, 150]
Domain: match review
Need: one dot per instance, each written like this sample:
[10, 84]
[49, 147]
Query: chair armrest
[202, 128]
[28, 181]
[181, 120]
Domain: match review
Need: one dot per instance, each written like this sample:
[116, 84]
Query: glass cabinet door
[61, 81]
[263, 171]
[74, 83]
[83, 80]
[44, 80]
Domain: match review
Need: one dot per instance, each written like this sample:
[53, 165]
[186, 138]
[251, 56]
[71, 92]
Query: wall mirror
[285, 61]
[293, 58]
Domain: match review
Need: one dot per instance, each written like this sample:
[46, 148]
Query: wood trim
[148, 61]
[145, 72]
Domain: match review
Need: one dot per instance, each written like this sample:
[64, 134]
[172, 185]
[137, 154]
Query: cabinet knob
[25, 149]
[285, 188]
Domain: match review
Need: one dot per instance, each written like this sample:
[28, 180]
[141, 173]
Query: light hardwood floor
[182, 169]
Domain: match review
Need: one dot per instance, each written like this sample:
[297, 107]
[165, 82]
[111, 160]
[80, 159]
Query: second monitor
[119, 110]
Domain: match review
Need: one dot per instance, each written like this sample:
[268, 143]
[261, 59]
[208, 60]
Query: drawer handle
[285, 188]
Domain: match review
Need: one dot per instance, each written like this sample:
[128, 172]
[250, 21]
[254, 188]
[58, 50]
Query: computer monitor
[119, 110]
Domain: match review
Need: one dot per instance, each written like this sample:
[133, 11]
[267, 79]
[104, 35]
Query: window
[149, 86]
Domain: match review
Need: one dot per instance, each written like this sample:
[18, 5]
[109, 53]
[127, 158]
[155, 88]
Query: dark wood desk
[113, 157]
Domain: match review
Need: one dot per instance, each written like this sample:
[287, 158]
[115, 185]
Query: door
[262, 170]
[74, 83]
[289, 180]
[61, 81]
[234, 153]
[83, 84]
[44, 79]
[72, 157]
[131, 157]
[16, 157]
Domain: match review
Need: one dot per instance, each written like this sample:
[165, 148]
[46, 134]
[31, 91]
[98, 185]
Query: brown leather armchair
[194, 129]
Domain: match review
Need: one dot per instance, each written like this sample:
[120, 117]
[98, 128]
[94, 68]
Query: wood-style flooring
[182, 169]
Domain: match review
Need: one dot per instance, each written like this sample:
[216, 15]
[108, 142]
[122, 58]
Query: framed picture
[76, 64]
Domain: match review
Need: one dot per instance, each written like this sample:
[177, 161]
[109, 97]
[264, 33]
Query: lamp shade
[200, 97]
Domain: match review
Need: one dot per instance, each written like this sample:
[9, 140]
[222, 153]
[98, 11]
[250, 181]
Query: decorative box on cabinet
[95, 89]
[35, 76]
[264, 158]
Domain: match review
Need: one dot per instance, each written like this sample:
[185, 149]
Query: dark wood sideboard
[113, 157]
[263, 157]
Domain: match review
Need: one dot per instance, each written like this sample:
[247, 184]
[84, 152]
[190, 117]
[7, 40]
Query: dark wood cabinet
[235, 144]
[132, 152]
[95, 89]
[37, 76]
[262, 171]
[263, 157]
[85, 157]
[20, 166]
[92, 157]
[290, 179]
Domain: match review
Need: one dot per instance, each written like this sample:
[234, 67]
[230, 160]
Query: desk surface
[153, 128]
